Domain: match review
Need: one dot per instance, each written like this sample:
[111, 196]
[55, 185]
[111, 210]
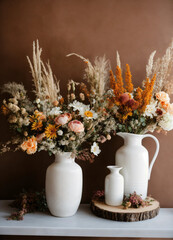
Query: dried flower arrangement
[55, 124]
[131, 201]
[141, 110]
[135, 201]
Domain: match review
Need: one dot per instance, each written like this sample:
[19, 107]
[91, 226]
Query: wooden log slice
[100, 209]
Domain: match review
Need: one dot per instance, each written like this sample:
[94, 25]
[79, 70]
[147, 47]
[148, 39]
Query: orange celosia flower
[138, 96]
[147, 93]
[51, 131]
[119, 80]
[128, 79]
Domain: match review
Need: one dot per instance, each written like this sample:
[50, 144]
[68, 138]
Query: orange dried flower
[30, 146]
[61, 100]
[114, 87]
[37, 125]
[5, 110]
[147, 93]
[51, 131]
[138, 96]
[119, 80]
[128, 79]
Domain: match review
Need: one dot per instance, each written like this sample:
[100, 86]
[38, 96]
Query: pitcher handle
[155, 155]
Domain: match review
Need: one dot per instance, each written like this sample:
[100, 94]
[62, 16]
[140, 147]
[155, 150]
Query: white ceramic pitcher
[134, 160]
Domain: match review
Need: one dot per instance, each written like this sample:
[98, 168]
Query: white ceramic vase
[134, 160]
[64, 185]
[114, 187]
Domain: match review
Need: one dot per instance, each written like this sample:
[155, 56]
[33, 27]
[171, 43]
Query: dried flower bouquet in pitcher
[139, 110]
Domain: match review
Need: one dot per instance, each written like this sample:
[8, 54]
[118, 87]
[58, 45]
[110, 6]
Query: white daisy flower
[90, 114]
[84, 110]
[95, 149]
[76, 105]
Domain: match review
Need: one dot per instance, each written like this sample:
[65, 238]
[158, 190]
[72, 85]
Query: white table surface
[85, 224]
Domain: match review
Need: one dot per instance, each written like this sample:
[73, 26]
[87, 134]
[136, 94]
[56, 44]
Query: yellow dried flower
[37, 125]
[51, 131]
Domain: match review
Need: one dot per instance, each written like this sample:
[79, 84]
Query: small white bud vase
[63, 185]
[114, 187]
[134, 159]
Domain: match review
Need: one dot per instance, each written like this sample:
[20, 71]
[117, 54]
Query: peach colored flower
[40, 137]
[55, 103]
[63, 119]
[163, 97]
[30, 146]
[76, 126]
[165, 105]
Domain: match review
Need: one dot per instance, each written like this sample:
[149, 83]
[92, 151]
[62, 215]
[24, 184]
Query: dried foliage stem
[98, 75]
[44, 82]
[163, 67]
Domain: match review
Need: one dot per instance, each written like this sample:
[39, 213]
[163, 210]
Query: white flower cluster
[150, 110]
[166, 122]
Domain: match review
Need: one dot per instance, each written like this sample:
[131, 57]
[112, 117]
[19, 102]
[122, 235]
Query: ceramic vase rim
[114, 167]
[130, 134]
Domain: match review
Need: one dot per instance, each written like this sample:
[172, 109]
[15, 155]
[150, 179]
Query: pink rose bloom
[76, 126]
[63, 119]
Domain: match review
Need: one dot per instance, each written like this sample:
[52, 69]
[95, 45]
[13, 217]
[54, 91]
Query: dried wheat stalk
[44, 82]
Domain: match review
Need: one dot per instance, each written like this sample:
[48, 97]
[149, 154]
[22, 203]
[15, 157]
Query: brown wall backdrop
[91, 28]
